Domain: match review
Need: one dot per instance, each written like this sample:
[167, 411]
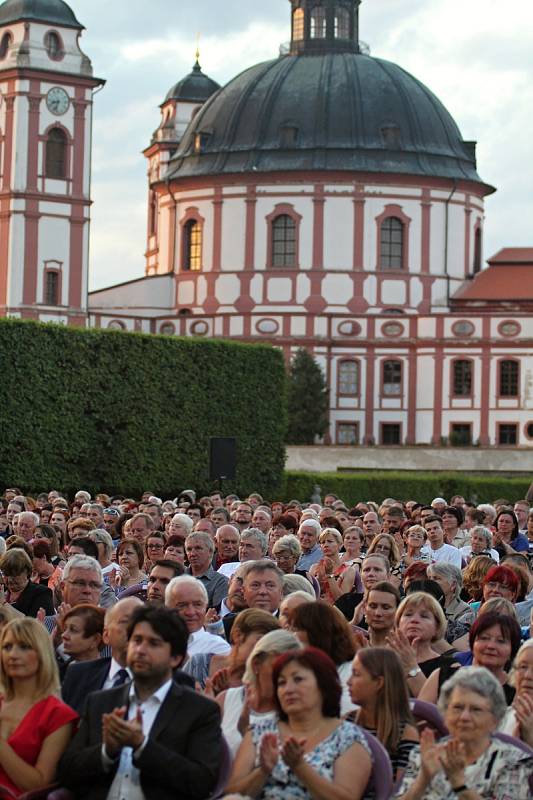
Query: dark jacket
[89, 676]
[33, 598]
[180, 761]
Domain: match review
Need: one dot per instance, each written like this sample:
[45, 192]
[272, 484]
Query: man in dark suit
[151, 739]
[103, 673]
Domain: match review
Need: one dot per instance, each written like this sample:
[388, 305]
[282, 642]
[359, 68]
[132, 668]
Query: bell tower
[46, 98]
[324, 26]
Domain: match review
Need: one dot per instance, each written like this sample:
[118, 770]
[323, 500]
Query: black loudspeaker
[222, 458]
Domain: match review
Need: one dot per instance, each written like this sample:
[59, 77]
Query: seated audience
[518, 721]
[22, 594]
[82, 633]
[309, 752]
[189, 597]
[470, 764]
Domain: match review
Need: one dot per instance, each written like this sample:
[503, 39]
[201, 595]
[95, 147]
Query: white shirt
[467, 551]
[447, 554]
[114, 669]
[127, 782]
[204, 642]
[228, 569]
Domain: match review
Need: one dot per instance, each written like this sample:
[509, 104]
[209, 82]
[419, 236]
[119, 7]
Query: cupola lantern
[324, 26]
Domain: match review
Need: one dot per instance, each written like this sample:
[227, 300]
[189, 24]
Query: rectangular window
[462, 378]
[51, 288]
[283, 242]
[348, 378]
[461, 434]
[508, 378]
[392, 378]
[347, 433]
[391, 433]
[508, 433]
[318, 23]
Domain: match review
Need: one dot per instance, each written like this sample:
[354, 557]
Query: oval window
[349, 328]
[267, 326]
[509, 328]
[54, 46]
[116, 325]
[199, 328]
[463, 328]
[167, 329]
[392, 329]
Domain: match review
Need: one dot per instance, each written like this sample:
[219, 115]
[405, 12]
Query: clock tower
[46, 99]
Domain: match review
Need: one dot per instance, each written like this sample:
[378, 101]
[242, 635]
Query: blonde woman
[334, 576]
[35, 726]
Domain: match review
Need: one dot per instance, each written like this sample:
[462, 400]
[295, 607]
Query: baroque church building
[325, 199]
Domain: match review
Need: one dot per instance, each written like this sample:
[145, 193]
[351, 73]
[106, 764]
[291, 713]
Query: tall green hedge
[424, 487]
[120, 412]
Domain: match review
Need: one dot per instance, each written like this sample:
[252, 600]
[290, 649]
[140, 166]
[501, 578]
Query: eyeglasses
[476, 711]
[85, 584]
[155, 546]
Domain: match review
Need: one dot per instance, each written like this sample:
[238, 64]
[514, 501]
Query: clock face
[57, 101]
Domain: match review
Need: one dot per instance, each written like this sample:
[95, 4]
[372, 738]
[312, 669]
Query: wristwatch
[414, 672]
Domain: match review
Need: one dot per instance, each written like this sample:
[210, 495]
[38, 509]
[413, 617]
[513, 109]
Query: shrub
[361, 486]
[129, 412]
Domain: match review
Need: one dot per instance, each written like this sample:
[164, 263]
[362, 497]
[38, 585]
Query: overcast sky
[476, 55]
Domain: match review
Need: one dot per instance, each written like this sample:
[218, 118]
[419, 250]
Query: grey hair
[262, 565]
[33, 516]
[273, 644]
[3, 546]
[255, 533]
[98, 507]
[185, 580]
[483, 531]
[450, 573]
[185, 521]
[488, 510]
[82, 562]
[297, 583]
[290, 543]
[480, 681]
[528, 645]
[203, 537]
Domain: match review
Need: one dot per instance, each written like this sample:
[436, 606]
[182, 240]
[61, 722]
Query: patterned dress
[282, 784]
[503, 772]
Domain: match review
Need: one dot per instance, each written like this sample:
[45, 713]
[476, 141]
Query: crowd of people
[214, 646]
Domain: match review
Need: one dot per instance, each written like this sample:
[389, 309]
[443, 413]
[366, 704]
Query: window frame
[318, 13]
[453, 392]
[298, 22]
[66, 153]
[393, 211]
[344, 14]
[53, 268]
[468, 425]
[191, 216]
[6, 41]
[382, 426]
[499, 426]
[346, 423]
[396, 395]
[501, 363]
[60, 54]
[357, 364]
[283, 209]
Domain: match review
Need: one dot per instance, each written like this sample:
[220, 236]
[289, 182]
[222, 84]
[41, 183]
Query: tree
[308, 400]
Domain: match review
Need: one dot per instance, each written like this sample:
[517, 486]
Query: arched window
[298, 25]
[462, 378]
[5, 44]
[56, 154]
[54, 46]
[509, 378]
[283, 241]
[152, 223]
[348, 378]
[51, 288]
[477, 250]
[192, 246]
[318, 23]
[342, 24]
[392, 378]
[391, 237]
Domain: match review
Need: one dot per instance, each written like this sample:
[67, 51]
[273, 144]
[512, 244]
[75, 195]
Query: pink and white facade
[46, 97]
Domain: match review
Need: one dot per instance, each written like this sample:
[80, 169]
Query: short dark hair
[177, 569]
[508, 625]
[325, 672]
[166, 623]
[457, 513]
[42, 549]
[87, 545]
[389, 588]
[136, 546]
[433, 518]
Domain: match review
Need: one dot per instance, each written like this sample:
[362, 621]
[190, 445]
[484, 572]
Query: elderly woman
[286, 552]
[450, 580]
[470, 764]
[518, 721]
[22, 594]
[480, 545]
[180, 525]
[309, 752]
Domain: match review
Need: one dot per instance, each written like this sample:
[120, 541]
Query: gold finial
[197, 48]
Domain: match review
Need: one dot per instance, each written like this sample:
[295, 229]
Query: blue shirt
[520, 544]
[308, 559]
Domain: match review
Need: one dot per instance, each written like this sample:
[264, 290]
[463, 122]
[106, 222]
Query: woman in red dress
[35, 726]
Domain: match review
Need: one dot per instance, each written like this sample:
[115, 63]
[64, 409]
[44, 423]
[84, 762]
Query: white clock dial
[57, 101]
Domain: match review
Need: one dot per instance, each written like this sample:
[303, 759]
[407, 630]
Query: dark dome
[55, 12]
[194, 88]
[331, 111]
